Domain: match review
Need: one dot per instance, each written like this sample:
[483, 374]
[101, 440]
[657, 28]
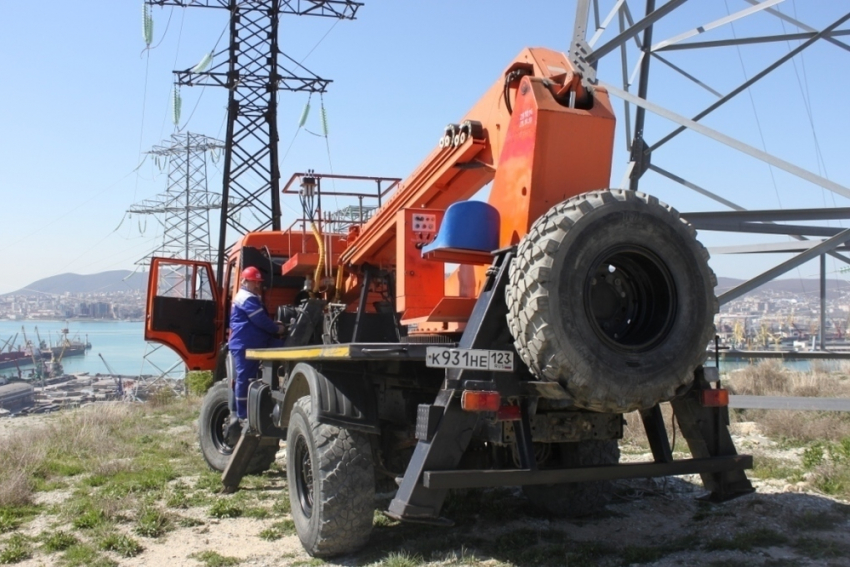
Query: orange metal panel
[452, 309]
[552, 153]
[459, 256]
[304, 264]
[419, 282]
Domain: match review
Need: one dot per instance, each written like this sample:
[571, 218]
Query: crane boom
[563, 165]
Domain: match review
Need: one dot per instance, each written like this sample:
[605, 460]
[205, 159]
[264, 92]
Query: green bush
[123, 545]
[199, 381]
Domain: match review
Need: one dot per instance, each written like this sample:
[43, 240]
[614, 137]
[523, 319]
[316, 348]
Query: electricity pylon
[183, 210]
[253, 72]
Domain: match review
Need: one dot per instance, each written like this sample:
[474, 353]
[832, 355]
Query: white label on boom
[470, 359]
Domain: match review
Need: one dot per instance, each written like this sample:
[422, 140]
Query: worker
[250, 327]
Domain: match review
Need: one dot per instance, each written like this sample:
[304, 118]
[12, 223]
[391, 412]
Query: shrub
[198, 382]
[123, 545]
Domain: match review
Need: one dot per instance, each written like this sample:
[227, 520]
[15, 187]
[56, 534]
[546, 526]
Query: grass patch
[278, 530]
[213, 559]
[829, 463]
[152, 522]
[209, 480]
[256, 512]
[11, 517]
[649, 554]
[380, 520]
[817, 548]
[226, 508]
[769, 467]
[282, 506]
[747, 541]
[588, 553]
[186, 522]
[96, 446]
[816, 521]
[57, 541]
[123, 545]
[17, 548]
[708, 510]
[89, 519]
[82, 555]
[402, 559]
[151, 479]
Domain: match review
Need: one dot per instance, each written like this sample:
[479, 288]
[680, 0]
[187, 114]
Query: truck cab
[188, 310]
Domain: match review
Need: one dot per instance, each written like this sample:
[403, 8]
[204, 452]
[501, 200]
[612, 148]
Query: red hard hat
[252, 274]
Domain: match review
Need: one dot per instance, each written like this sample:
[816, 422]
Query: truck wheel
[215, 414]
[576, 499]
[611, 295]
[331, 483]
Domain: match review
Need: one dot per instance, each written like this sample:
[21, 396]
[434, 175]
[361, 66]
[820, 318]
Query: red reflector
[716, 398]
[509, 413]
[473, 400]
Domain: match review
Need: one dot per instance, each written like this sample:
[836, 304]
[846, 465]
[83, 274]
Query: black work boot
[232, 431]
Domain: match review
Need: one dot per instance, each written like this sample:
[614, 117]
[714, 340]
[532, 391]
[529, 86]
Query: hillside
[797, 286]
[103, 282]
[125, 280]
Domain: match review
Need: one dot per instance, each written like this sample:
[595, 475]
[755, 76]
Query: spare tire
[611, 295]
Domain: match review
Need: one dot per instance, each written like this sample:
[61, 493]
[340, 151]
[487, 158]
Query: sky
[83, 100]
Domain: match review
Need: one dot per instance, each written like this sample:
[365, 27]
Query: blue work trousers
[246, 372]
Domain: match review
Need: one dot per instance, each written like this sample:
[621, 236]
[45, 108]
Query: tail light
[474, 400]
[714, 398]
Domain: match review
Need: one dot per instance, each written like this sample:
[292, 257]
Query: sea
[120, 343]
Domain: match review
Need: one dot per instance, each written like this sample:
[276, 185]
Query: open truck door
[185, 311]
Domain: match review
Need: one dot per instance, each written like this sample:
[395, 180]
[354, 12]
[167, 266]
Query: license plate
[470, 359]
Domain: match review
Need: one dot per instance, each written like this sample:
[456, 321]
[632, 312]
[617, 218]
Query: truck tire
[215, 414]
[331, 480]
[611, 295]
[576, 499]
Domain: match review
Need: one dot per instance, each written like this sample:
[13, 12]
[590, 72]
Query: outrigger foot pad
[440, 521]
[238, 465]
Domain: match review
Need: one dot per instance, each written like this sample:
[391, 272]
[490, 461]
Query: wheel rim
[630, 299]
[304, 476]
[218, 424]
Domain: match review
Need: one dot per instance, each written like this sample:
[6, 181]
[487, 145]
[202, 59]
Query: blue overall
[250, 327]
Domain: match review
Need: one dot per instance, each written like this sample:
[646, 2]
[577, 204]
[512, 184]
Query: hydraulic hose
[338, 284]
[317, 278]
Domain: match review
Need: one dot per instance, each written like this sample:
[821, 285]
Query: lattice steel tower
[254, 73]
[186, 203]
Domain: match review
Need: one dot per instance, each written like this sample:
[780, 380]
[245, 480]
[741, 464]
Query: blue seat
[471, 226]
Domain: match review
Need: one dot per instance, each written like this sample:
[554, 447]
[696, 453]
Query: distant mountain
[104, 282]
[125, 280]
[797, 286]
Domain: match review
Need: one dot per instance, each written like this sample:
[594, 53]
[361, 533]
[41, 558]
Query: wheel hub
[219, 421]
[630, 299]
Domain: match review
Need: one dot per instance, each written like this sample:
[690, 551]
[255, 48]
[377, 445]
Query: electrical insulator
[203, 63]
[304, 114]
[147, 25]
[176, 104]
[324, 122]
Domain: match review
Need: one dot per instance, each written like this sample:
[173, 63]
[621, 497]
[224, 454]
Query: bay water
[121, 343]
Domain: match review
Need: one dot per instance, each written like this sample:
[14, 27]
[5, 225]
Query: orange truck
[438, 342]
